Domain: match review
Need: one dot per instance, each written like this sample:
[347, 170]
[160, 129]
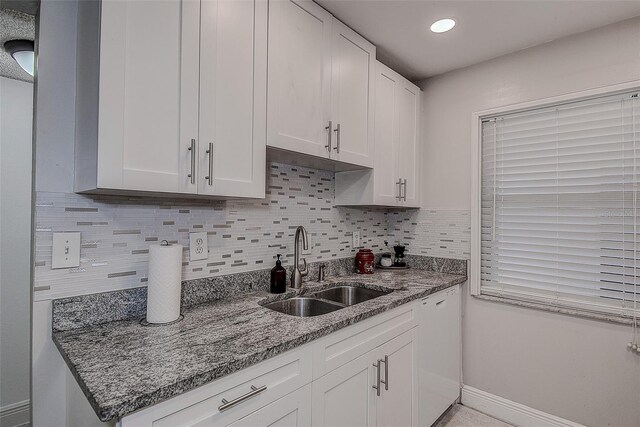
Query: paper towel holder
[144, 322]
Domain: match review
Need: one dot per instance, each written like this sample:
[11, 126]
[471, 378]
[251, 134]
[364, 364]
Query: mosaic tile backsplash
[436, 233]
[243, 235]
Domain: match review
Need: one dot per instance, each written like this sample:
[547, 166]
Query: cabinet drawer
[343, 346]
[200, 407]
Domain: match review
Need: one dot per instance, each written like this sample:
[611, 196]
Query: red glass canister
[364, 261]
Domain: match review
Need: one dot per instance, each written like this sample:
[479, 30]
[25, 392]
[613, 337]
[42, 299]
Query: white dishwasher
[439, 353]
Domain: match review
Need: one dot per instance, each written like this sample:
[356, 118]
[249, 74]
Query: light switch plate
[198, 246]
[356, 239]
[66, 250]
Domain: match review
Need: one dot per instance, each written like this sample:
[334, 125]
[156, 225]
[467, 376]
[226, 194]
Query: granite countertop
[123, 366]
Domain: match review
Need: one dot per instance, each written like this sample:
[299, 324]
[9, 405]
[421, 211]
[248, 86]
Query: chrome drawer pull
[386, 372]
[254, 391]
[337, 131]
[377, 386]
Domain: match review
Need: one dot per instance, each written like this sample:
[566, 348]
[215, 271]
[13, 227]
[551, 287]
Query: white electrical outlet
[65, 251]
[198, 246]
[356, 239]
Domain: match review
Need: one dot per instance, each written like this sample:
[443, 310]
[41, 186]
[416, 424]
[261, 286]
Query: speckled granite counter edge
[118, 411]
[94, 309]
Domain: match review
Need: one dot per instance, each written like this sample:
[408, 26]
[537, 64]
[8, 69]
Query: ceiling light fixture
[22, 52]
[443, 25]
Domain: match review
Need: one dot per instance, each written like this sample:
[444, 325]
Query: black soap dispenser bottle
[278, 278]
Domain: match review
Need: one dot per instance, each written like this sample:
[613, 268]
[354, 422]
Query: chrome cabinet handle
[192, 149]
[386, 372]
[209, 177]
[377, 386]
[337, 131]
[404, 184]
[399, 184]
[330, 129]
[228, 404]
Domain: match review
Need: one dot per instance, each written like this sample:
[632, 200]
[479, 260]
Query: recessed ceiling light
[443, 25]
[22, 52]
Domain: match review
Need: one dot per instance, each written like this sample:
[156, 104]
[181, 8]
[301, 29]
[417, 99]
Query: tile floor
[461, 416]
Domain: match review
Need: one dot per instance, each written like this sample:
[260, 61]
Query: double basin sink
[326, 301]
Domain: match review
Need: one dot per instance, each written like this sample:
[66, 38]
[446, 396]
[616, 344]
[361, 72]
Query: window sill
[611, 318]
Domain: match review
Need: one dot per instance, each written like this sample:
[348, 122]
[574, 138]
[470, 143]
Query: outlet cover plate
[65, 251]
[356, 239]
[198, 246]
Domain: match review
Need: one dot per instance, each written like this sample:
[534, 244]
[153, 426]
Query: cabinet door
[386, 188]
[299, 77]
[345, 396]
[397, 405]
[148, 108]
[293, 410]
[233, 61]
[352, 90]
[409, 109]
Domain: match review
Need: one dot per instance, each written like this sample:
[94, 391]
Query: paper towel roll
[164, 284]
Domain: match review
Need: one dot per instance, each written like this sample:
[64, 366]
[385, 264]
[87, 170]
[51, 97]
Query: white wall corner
[509, 411]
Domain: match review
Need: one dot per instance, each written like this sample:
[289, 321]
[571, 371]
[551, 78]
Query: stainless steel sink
[348, 295]
[303, 306]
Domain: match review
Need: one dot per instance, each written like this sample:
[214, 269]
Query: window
[557, 216]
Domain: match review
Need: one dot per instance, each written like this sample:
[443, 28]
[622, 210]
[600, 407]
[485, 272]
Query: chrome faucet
[298, 274]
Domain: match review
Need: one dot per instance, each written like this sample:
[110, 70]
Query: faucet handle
[303, 270]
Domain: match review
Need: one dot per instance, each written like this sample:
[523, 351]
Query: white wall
[574, 368]
[54, 130]
[16, 118]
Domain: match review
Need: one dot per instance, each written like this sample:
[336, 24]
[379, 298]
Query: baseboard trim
[15, 414]
[509, 411]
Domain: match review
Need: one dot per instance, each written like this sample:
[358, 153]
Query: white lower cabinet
[397, 404]
[376, 389]
[293, 410]
[344, 397]
[368, 374]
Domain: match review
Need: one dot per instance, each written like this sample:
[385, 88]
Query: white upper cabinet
[386, 147]
[160, 81]
[320, 85]
[394, 181]
[409, 109]
[233, 72]
[299, 77]
[148, 60]
[352, 91]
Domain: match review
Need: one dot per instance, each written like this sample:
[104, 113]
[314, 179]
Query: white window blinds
[559, 205]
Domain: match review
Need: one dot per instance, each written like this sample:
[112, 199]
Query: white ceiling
[486, 28]
[14, 25]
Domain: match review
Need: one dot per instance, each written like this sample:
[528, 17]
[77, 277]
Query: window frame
[476, 159]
